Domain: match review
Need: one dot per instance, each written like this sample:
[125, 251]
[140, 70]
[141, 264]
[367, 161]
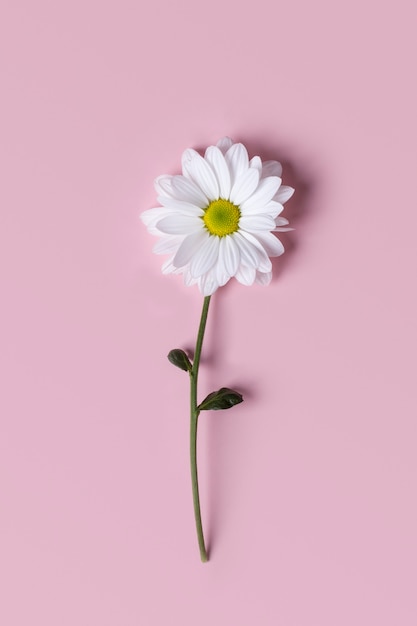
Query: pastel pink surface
[308, 488]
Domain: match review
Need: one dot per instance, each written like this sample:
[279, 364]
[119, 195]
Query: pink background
[309, 487]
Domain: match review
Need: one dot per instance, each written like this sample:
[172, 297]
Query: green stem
[193, 428]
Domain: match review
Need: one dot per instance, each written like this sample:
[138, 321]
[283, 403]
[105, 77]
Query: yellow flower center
[221, 218]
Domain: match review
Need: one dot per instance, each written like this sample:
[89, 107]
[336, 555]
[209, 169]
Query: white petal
[237, 159]
[179, 224]
[283, 194]
[248, 254]
[270, 243]
[168, 244]
[218, 164]
[196, 168]
[163, 185]
[272, 208]
[246, 275]
[271, 168]
[189, 247]
[208, 283]
[168, 268]
[281, 225]
[231, 255]
[244, 186]
[256, 163]
[205, 257]
[224, 144]
[180, 207]
[267, 188]
[152, 216]
[256, 222]
[264, 262]
[185, 189]
[188, 279]
[263, 278]
[222, 274]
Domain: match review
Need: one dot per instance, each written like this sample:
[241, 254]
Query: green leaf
[223, 399]
[178, 358]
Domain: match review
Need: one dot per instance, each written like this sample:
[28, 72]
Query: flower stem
[193, 428]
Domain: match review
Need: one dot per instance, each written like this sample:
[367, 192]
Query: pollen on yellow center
[221, 218]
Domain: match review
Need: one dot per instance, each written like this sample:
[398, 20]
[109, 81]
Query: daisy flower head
[218, 218]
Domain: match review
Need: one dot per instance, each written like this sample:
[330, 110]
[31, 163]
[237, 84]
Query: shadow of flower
[221, 427]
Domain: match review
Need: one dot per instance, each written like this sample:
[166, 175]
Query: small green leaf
[223, 399]
[178, 358]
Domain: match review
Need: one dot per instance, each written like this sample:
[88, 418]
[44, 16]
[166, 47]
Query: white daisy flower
[217, 219]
